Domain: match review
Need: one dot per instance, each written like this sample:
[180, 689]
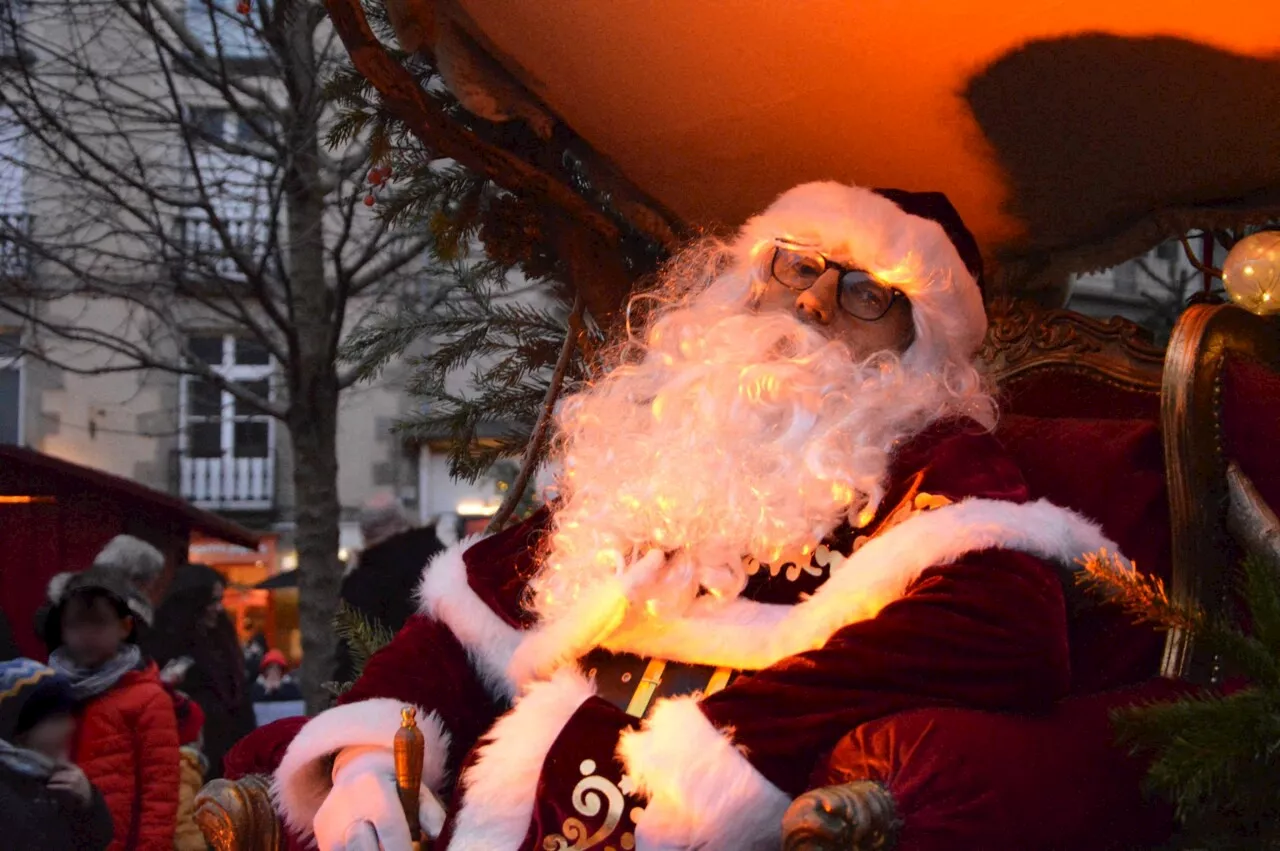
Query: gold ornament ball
[1252, 273]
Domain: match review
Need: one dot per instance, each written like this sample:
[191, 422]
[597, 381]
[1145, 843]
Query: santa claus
[780, 514]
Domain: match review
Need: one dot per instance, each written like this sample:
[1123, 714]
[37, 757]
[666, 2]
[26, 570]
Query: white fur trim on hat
[703, 793]
[911, 253]
[304, 776]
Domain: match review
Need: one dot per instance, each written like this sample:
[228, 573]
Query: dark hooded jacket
[384, 584]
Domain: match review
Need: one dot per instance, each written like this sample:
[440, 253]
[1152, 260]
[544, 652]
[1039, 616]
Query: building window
[236, 185]
[11, 386]
[227, 446]
[224, 31]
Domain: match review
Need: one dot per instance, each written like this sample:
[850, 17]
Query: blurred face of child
[274, 674]
[50, 737]
[93, 629]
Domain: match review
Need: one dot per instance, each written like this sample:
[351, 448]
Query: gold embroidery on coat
[912, 503]
[591, 794]
[815, 565]
[824, 558]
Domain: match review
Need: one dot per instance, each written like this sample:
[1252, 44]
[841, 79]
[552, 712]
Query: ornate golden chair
[1084, 362]
[1213, 508]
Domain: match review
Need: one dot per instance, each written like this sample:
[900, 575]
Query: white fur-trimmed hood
[747, 635]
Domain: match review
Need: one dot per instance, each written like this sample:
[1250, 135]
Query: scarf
[26, 762]
[91, 682]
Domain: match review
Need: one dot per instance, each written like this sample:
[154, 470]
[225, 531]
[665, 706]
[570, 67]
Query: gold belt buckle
[652, 678]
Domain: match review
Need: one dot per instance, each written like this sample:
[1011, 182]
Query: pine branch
[1214, 756]
[1144, 597]
[1209, 750]
[541, 430]
[1261, 589]
[363, 638]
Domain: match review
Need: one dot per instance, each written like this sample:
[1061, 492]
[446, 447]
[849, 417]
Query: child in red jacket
[127, 736]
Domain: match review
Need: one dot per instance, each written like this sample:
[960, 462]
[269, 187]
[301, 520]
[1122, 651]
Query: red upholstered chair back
[1104, 423]
[1080, 412]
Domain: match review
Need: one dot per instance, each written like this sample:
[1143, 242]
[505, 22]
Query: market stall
[56, 515]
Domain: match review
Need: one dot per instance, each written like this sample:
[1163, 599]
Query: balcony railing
[228, 484]
[205, 254]
[15, 259]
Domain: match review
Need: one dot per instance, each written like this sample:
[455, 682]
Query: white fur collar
[743, 634]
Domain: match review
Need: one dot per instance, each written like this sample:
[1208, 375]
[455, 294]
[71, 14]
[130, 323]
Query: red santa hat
[913, 241]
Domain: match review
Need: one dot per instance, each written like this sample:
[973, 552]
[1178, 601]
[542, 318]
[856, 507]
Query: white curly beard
[737, 433]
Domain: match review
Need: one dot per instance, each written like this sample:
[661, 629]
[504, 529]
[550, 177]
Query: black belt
[632, 683]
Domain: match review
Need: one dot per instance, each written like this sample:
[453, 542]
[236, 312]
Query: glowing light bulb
[1251, 273]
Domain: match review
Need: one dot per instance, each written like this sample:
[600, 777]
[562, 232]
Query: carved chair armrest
[1206, 336]
[855, 816]
[238, 815]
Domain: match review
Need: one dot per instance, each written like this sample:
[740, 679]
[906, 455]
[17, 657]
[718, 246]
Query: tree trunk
[314, 387]
[315, 479]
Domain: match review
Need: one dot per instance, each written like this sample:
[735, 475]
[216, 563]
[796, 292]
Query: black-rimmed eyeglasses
[858, 292]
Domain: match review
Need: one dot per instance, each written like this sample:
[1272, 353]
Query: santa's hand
[642, 571]
[362, 811]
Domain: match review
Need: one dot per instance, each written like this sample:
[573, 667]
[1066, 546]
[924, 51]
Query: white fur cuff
[703, 793]
[502, 784]
[304, 777]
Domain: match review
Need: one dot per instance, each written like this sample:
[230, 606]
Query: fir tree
[521, 353]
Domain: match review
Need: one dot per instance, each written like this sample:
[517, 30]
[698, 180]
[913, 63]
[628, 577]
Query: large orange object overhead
[1075, 132]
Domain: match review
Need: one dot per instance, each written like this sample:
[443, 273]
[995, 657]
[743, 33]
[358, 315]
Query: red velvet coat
[950, 599]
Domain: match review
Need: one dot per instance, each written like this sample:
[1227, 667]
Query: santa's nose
[818, 303]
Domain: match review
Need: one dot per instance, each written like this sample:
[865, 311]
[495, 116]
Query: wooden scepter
[408, 750]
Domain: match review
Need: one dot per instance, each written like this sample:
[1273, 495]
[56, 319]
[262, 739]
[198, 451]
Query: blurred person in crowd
[196, 642]
[274, 682]
[46, 801]
[192, 766]
[127, 742]
[384, 581]
[136, 565]
[254, 649]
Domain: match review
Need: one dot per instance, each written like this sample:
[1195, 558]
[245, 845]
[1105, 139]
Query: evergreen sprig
[1214, 756]
[1144, 597]
[363, 637]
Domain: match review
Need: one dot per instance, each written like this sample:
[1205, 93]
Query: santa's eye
[797, 269]
[863, 296]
